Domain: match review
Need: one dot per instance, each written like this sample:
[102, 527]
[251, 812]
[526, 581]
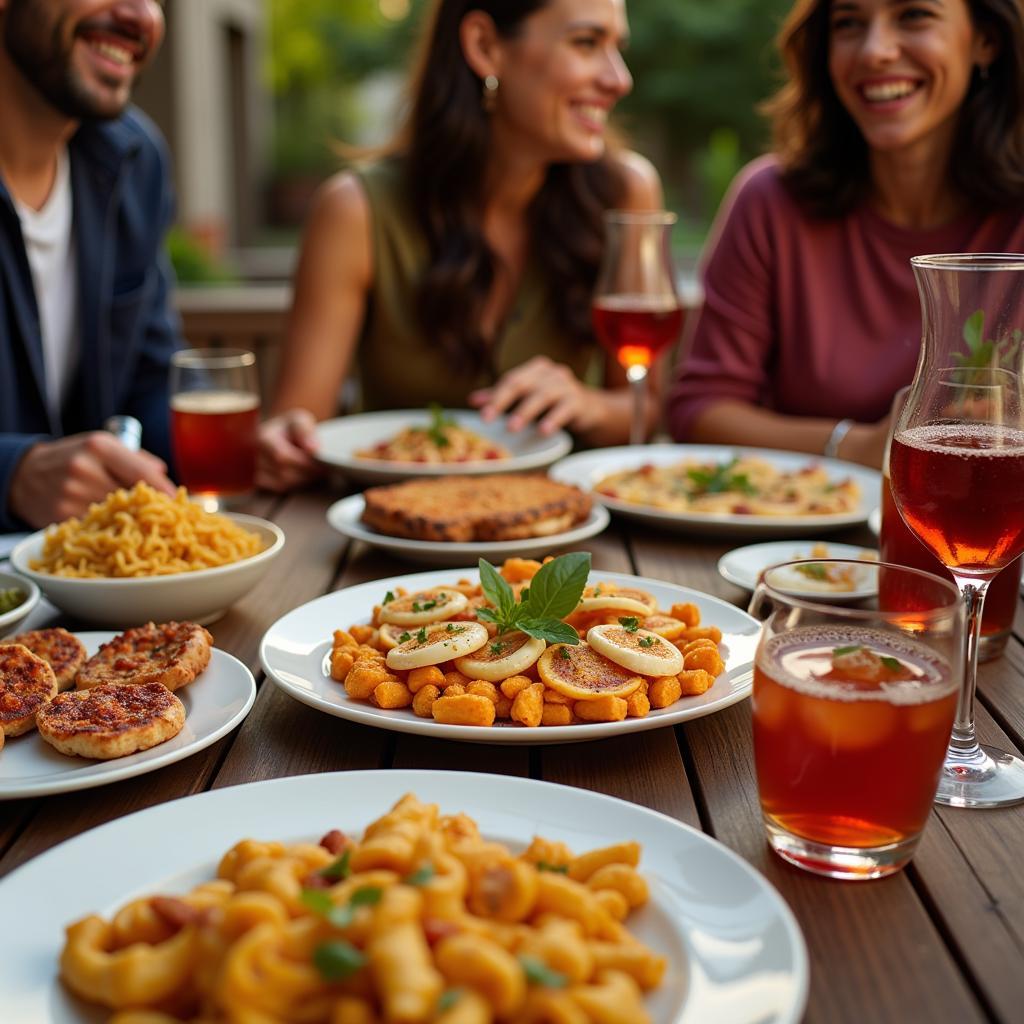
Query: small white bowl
[16, 615]
[200, 596]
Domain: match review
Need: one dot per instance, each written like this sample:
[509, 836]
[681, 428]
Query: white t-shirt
[49, 244]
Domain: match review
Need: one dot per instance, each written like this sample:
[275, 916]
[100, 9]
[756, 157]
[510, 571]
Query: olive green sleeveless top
[400, 367]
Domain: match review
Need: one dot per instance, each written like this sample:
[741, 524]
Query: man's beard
[46, 63]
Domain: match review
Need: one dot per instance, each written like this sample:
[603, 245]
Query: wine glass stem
[637, 377]
[964, 743]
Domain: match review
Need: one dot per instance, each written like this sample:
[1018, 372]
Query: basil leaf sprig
[720, 478]
[438, 425]
[553, 593]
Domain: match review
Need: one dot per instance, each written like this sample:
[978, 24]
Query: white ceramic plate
[743, 567]
[295, 652]
[734, 949]
[340, 439]
[10, 620]
[214, 704]
[346, 517]
[585, 469]
[200, 596]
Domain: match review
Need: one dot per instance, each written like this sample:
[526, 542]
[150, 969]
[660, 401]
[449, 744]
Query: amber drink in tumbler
[852, 712]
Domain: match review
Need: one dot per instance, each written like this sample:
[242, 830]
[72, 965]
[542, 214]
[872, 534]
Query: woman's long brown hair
[824, 157]
[445, 144]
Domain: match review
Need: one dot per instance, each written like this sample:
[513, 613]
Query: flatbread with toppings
[26, 684]
[109, 721]
[61, 650]
[173, 654]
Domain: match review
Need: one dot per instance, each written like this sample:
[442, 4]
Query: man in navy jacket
[86, 329]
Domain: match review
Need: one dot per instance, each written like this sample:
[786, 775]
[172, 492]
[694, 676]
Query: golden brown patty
[459, 508]
[111, 721]
[61, 650]
[173, 654]
[26, 684]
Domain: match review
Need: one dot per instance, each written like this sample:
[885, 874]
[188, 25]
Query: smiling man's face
[83, 56]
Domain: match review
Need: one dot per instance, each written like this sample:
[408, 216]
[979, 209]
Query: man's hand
[287, 445]
[57, 479]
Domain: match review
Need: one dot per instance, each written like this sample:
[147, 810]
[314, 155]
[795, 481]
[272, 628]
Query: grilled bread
[111, 721]
[173, 654]
[458, 508]
[26, 683]
[61, 650]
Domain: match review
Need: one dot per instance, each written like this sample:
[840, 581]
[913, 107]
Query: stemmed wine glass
[957, 471]
[637, 313]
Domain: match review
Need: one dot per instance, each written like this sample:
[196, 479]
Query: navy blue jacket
[123, 205]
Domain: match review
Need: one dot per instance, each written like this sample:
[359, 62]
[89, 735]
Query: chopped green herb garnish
[448, 999]
[497, 647]
[813, 570]
[438, 423]
[388, 597]
[839, 651]
[404, 637]
[421, 875]
[337, 960]
[367, 896]
[421, 635]
[646, 641]
[553, 593]
[416, 607]
[538, 973]
[558, 869]
[318, 901]
[563, 653]
[339, 869]
[720, 478]
[630, 623]
[892, 664]
[597, 590]
[452, 628]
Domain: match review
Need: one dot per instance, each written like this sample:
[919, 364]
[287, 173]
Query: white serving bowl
[9, 620]
[199, 596]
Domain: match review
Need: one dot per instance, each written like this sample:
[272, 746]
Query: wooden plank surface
[940, 942]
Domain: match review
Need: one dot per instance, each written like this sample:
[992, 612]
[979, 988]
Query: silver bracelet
[835, 439]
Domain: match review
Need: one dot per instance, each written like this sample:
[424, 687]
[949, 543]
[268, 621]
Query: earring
[490, 96]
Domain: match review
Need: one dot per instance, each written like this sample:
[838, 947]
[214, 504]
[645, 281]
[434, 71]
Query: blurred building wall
[207, 94]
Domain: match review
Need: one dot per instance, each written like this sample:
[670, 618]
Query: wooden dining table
[940, 941]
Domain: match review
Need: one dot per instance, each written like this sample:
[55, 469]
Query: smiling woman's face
[902, 68]
[82, 55]
[560, 77]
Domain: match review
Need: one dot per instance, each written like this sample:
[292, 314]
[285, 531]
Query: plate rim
[727, 574]
[596, 522]
[564, 469]
[558, 444]
[741, 682]
[179, 812]
[52, 785]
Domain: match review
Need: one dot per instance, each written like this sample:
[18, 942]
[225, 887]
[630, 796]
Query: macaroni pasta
[423, 920]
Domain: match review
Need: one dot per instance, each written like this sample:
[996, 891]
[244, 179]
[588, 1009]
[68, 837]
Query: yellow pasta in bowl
[141, 556]
[421, 920]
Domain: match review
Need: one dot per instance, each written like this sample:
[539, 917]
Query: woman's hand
[287, 444]
[540, 391]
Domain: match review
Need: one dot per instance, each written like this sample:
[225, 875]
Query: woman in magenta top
[900, 131]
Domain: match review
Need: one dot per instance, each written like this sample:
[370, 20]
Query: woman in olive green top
[459, 269]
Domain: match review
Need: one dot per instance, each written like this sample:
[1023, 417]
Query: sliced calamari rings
[636, 650]
[424, 607]
[581, 673]
[507, 655]
[436, 643]
[608, 597]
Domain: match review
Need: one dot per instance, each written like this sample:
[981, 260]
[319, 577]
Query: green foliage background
[700, 69]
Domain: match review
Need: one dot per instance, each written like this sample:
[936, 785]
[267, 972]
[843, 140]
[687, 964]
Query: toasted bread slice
[26, 683]
[111, 721]
[61, 650]
[458, 508]
[173, 654]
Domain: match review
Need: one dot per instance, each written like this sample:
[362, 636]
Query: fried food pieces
[61, 650]
[26, 683]
[171, 654]
[499, 507]
[109, 720]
